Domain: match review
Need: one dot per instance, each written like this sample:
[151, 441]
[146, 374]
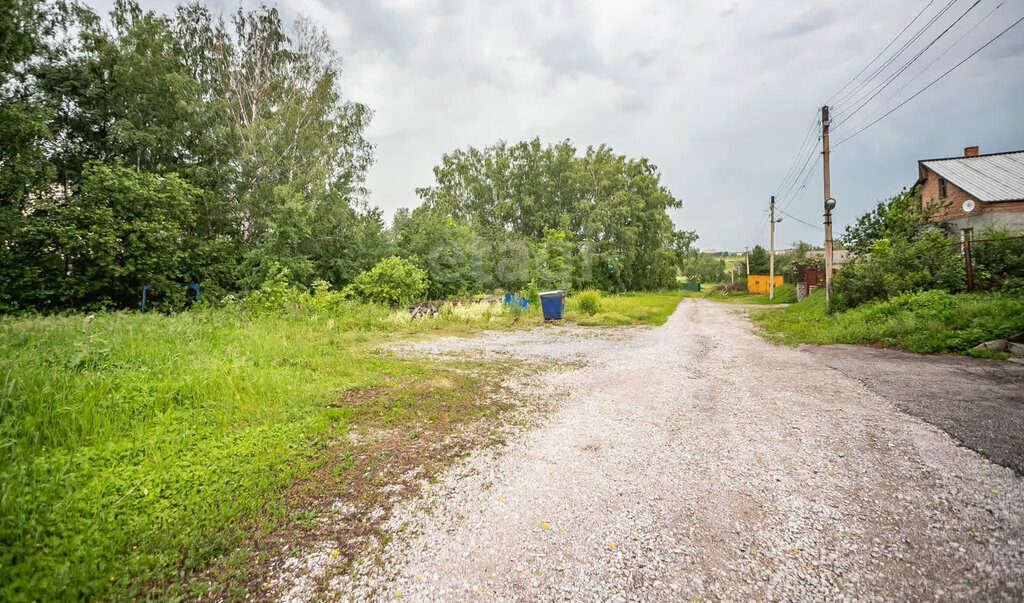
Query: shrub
[392, 281]
[322, 300]
[589, 301]
[896, 266]
[998, 265]
[273, 296]
[530, 293]
[928, 322]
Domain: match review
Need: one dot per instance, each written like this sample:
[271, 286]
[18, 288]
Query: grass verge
[931, 322]
[625, 309]
[784, 294]
[140, 450]
[175, 455]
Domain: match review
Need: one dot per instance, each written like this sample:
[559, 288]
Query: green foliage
[931, 322]
[897, 266]
[530, 292]
[142, 447]
[273, 296]
[448, 250]
[626, 309]
[998, 265]
[588, 301]
[896, 218]
[99, 120]
[702, 268]
[392, 281]
[600, 219]
[759, 260]
[97, 248]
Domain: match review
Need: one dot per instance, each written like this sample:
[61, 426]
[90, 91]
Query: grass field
[932, 322]
[626, 309]
[171, 454]
[784, 294]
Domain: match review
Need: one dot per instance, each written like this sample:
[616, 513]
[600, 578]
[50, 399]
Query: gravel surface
[979, 402]
[695, 459]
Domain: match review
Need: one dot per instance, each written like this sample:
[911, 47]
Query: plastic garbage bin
[553, 304]
[516, 300]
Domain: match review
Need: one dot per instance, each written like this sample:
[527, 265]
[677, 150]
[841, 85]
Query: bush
[896, 266]
[273, 296]
[998, 265]
[392, 281]
[928, 322]
[589, 301]
[529, 292]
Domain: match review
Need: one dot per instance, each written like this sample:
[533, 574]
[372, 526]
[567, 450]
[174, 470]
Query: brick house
[974, 190]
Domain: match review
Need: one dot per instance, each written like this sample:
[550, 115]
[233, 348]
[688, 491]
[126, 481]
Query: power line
[811, 152]
[936, 60]
[808, 137]
[887, 47]
[818, 226]
[932, 83]
[888, 81]
[792, 193]
[839, 102]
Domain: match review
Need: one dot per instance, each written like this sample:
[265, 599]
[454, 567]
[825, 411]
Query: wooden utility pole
[967, 261]
[829, 204]
[771, 256]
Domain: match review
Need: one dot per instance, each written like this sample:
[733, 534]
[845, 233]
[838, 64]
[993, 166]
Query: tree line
[194, 147]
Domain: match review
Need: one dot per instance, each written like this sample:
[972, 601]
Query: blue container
[515, 300]
[553, 304]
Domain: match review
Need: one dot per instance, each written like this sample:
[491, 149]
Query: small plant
[392, 281]
[589, 301]
[273, 295]
[529, 292]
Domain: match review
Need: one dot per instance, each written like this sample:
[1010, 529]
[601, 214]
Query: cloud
[718, 96]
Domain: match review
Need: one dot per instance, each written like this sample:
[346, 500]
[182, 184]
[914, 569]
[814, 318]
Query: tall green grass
[624, 309]
[931, 322]
[134, 449]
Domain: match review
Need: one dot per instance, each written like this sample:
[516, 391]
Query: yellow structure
[758, 283]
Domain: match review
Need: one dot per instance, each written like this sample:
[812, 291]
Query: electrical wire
[808, 137]
[818, 226]
[792, 193]
[889, 80]
[932, 83]
[885, 65]
[935, 60]
[887, 47]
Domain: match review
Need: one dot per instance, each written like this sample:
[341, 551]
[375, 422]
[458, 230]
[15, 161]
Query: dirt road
[696, 460]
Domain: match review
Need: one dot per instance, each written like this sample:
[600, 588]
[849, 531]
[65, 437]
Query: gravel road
[694, 460]
[979, 402]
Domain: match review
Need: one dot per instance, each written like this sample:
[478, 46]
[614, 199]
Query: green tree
[759, 260]
[998, 259]
[898, 217]
[612, 213]
[392, 281]
[96, 249]
[900, 265]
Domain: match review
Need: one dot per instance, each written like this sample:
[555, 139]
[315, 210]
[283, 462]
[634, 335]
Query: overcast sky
[718, 94]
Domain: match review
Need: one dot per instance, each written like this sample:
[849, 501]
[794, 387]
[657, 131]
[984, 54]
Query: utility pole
[746, 250]
[771, 256]
[967, 260]
[829, 204]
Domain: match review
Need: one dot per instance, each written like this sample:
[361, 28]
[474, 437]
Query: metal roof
[996, 177]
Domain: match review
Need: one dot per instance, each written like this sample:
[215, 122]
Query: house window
[942, 188]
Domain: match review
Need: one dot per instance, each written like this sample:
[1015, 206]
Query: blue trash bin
[516, 300]
[553, 304]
